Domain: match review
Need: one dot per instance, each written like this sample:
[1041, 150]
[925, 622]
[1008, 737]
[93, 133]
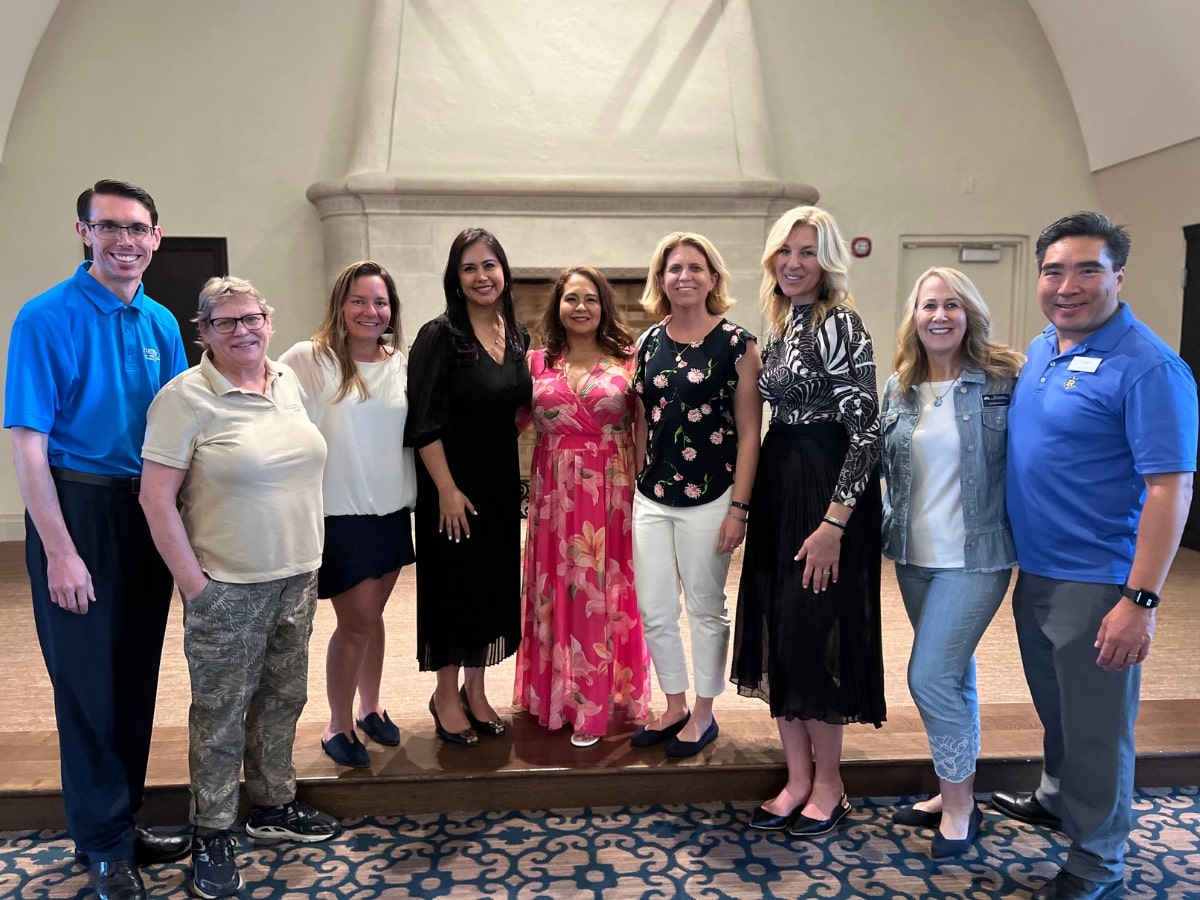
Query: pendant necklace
[679, 351]
[938, 398]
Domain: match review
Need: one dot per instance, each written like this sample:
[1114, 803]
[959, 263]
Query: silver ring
[1131, 656]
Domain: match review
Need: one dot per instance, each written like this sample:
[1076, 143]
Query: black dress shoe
[678, 749]
[917, 818]
[645, 737]
[765, 820]
[380, 729]
[1025, 807]
[466, 738]
[117, 880]
[944, 847]
[494, 728]
[151, 849]
[807, 827]
[1066, 886]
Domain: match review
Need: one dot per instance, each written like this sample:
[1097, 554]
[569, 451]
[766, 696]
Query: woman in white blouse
[355, 378]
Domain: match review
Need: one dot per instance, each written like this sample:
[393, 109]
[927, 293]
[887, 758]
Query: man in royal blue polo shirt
[84, 361]
[1101, 451]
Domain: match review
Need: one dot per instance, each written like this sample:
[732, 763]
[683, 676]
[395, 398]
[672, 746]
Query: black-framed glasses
[105, 229]
[229, 324]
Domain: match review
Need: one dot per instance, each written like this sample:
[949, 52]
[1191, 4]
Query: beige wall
[228, 110]
[1155, 196]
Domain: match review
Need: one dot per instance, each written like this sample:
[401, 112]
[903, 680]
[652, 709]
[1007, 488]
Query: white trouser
[673, 546]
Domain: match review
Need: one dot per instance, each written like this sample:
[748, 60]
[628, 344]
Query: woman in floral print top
[702, 415]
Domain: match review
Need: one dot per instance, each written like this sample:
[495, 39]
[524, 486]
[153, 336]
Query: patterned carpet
[703, 851]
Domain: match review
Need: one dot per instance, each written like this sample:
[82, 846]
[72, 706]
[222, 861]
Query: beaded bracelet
[736, 518]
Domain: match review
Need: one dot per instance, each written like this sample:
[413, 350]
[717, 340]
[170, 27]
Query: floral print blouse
[687, 394]
[827, 375]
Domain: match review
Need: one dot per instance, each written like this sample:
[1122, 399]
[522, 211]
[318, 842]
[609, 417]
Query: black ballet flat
[765, 820]
[466, 738]
[917, 818]
[646, 737]
[944, 847]
[494, 728]
[808, 827]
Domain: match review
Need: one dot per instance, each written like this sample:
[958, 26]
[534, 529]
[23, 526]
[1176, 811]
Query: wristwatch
[1147, 599]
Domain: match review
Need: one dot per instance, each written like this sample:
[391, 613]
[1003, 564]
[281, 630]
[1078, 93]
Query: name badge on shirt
[1084, 364]
[990, 400]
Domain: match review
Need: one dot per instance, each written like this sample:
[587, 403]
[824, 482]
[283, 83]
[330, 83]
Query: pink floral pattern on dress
[582, 655]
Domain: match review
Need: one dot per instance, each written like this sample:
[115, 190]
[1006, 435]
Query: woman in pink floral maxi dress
[582, 656]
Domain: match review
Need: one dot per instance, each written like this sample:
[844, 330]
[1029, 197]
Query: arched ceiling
[1131, 68]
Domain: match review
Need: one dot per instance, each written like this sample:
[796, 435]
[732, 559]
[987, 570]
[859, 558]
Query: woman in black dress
[467, 380]
[808, 635]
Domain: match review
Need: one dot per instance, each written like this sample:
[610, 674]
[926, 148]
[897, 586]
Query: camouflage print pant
[247, 651]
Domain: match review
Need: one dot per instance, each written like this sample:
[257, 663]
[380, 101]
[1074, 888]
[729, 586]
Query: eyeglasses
[105, 229]
[228, 325]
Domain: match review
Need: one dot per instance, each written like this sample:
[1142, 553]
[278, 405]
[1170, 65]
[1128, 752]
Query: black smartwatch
[1147, 599]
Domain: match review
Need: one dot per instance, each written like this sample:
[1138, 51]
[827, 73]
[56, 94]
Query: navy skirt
[362, 547]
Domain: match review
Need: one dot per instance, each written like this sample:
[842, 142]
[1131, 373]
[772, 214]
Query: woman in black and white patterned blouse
[808, 637]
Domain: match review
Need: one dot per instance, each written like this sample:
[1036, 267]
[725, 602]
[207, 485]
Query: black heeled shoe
[805, 826]
[494, 728]
[466, 738]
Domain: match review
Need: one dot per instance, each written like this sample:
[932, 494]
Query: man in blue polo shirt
[84, 361]
[1101, 451]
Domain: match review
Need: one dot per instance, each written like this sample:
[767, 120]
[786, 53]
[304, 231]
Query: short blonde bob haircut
[655, 301]
[219, 290]
[832, 255]
[911, 362]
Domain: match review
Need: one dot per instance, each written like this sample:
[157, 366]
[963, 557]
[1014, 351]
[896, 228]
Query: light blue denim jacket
[983, 437]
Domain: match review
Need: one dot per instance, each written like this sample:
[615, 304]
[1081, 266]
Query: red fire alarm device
[860, 247]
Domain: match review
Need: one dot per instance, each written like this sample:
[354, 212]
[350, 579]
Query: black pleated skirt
[809, 655]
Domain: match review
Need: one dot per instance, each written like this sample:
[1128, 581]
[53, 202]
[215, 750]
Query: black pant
[103, 665]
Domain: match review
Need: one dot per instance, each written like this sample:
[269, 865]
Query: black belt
[125, 483]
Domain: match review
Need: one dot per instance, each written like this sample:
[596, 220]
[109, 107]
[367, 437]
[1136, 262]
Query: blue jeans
[949, 610]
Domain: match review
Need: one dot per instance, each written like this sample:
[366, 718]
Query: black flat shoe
[917, 818]
[466, 738]
[645, 737]
[1025, 807]
[347, 751]
[943, 847]
[150, 849]
[494, 728]
[117, 880]
[678, 749]
[380, 729]
[807, 827]
[765, 820]
[1066, 886]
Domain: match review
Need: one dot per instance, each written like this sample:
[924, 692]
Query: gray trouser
[1088, 714]
[247, 652]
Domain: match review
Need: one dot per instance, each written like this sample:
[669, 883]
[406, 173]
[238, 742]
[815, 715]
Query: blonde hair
[832, 255]
[217, 291]
[911, 363]
[655, 302]
[331, 337]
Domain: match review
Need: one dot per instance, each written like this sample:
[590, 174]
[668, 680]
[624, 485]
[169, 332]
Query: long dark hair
[611, 334]
[456, 303]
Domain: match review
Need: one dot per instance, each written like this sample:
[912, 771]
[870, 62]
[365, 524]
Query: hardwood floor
[531, 768]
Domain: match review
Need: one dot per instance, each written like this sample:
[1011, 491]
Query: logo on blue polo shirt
[151, 354]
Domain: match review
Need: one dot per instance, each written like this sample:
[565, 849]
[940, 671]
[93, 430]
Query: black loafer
[1066, 886]
[765, 820]
[117, 880]
[645, 737]
[380, 729]
[678, 749]
[347, 751]
[150, 849]
[917, 818]
[944, 847]
[494, 728]
[1025, 807]
[807, 827]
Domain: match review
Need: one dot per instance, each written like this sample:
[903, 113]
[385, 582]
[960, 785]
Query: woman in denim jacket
[945, 423]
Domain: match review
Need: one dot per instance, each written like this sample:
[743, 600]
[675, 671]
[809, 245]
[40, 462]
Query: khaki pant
[247, 652]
